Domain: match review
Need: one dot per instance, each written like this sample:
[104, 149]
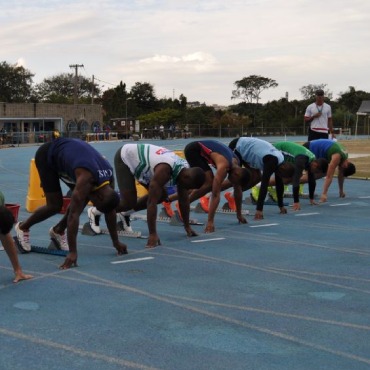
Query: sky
[196, 48]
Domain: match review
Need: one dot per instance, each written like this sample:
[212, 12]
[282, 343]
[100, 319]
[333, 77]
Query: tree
[308, 92]
[142, 93]
[351, 99]
[60, 89]
[164, 117]
[114, 102]
[249, 89]
[15, 83]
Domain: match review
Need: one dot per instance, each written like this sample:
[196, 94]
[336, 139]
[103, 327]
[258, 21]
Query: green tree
[308, 92]
[115, 101]
[351, 99]
[142, 93]
[163, 117]
[15, 83]
[249, 89]
[60, 89]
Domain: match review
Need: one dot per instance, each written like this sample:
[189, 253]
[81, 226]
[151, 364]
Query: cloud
[197, 61]
[199, 48]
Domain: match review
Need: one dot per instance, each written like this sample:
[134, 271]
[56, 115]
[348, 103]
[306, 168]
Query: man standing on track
[319, 116]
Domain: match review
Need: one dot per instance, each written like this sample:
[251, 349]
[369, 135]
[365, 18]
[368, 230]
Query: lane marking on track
[365, 197]
[339, 204]
[132, 260]
[265, 225]
[307, 214]
[206, 240]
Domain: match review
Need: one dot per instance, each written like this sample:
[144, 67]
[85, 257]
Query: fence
[192, 131]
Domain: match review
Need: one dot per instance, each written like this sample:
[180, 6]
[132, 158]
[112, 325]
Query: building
[34, 122]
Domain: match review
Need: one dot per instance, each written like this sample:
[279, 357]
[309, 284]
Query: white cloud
[198, 48]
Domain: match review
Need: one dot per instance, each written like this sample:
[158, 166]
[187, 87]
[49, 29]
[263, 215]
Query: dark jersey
[65, 155]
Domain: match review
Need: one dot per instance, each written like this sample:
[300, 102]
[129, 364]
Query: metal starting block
[51, 249]
[175, 220]
[225, 209]
[301, 196]
[87, 230]
[268, 202]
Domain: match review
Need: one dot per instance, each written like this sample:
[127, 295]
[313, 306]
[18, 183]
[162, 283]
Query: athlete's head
[239, 175]
[348, 168]
[105, 199]
[191, 178]
[286, 170]
[319, 167]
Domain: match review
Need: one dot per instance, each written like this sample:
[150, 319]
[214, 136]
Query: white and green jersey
[143, 158]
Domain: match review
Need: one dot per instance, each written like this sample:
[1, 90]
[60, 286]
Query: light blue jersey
[253, 150]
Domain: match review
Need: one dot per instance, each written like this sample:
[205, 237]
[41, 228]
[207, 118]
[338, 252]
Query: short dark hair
[349, 170]
[319, 92]
[6, 220]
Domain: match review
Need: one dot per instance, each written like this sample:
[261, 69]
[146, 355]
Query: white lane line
[307, 214]
[206, 240]
[339, 204]
[265, 225]
[132, 260]
[365, 197]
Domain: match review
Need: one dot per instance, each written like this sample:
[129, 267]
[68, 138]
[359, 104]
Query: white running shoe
[23, 237]
[94, 219]
[126, 223]
[60, 240]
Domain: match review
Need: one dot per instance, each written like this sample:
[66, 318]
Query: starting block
[51, 249]
[225, 209]
[268, 202]
[175, 220]
[301, 196]
[87, 230]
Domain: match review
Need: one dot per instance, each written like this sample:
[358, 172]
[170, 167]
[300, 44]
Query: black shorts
[49, 177]
[193, 154]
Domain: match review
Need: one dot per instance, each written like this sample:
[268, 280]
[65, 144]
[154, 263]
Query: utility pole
[76, 66]
[92, 91]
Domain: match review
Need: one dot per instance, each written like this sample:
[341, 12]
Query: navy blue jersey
[209, 146]
[65, 155]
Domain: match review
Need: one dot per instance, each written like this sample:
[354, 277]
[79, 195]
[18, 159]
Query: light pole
[126, 122]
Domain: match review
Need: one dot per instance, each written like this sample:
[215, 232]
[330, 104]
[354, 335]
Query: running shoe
[255, 192]
[126, 223]
[204, 203]
[272, 193]
[59, 240]
[23, 238]
[231, 200]
[94, 220]
[168, 209]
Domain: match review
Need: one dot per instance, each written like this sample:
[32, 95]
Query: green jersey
[292, 150]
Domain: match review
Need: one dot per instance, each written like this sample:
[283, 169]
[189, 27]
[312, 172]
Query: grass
[362, 163]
